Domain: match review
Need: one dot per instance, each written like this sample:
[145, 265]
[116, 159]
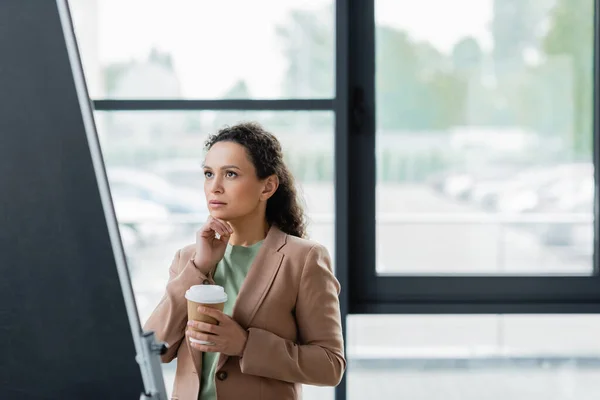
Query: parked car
[148, 221]
[143, 185]
[183, 172]
[462, 185]
[523, 192]
[573, 234]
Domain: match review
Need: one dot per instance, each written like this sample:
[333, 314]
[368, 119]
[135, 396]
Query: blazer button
[206, 282]
[222, 375]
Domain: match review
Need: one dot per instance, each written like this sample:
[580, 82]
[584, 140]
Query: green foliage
[112, 75]
[571, 35]
[419, 88]
[239, 90]
[410, 94]
[307, 39]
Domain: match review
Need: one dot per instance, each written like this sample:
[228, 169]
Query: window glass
[228, 49]
[153, 162]
[484, 137]
[473, 357]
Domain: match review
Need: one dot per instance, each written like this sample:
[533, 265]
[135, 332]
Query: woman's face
[231, 186]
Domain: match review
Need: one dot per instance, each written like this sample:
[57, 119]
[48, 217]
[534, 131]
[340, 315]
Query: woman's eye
[231, 174]
[207, 174]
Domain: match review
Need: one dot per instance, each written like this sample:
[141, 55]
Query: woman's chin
[220, 214]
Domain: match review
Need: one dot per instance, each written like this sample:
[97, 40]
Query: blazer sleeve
[169, 318]
[318, 358]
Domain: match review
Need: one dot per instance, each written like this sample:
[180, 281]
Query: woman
[281, 326]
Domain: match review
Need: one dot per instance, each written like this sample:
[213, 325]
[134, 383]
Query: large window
[473, 357]
[476, 141]
[165, 76]
[154, 167]
[189, 49]
[447, 152]
[153, 162]
[484, 137]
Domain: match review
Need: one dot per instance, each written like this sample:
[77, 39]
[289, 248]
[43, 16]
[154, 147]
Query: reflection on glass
[473, 357]
[484, 136]
[229, 49]
[154, 167]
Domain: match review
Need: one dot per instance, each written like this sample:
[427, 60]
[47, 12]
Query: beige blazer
[289, 305]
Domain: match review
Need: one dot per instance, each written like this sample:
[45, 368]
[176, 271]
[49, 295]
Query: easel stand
[148, 351]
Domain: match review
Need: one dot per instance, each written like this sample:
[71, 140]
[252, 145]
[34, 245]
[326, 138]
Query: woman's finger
[205, 327]
[213, 312]
[229, 227]
[224, 225]
[207, 229]
[201, 336]
[219, 228]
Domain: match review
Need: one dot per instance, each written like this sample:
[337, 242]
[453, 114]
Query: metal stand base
[150, 365]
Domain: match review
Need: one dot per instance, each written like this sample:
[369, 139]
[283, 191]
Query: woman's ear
[270, 187]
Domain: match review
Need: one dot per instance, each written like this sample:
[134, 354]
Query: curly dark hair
[284, 208]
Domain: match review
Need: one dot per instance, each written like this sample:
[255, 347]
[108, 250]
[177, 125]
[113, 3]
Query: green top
[230, 273]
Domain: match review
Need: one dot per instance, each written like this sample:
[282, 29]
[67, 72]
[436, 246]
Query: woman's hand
[228, 336]
[209, 249]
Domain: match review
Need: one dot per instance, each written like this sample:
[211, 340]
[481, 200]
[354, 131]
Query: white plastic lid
[207, 294]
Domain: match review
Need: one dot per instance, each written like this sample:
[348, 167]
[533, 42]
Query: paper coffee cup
[212, 296]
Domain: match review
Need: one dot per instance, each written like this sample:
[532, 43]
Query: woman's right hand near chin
[209, 249]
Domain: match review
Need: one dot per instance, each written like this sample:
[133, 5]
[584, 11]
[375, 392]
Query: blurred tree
[401, 98]
[112, 75]
[415, 87]
[467, 56]
[448, 94]
[114, 72]
[161, 58]
[308, 44]
[512, 31]
[238, 90]
[308, 38]
[571, 34]
[193, 123]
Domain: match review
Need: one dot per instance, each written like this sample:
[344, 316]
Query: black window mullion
[596, 136]
[342, 172]
[361, 150]
[489, 294]
[214, 105]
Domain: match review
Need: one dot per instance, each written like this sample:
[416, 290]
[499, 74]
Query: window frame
[371, 293]
[363, 291]
[338, 105]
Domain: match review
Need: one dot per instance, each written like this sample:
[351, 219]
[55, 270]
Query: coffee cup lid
[207, 294]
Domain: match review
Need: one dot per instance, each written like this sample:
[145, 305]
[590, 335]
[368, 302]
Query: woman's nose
[216, 186]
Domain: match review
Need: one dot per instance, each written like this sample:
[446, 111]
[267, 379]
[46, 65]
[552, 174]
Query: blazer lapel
[258, 281]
